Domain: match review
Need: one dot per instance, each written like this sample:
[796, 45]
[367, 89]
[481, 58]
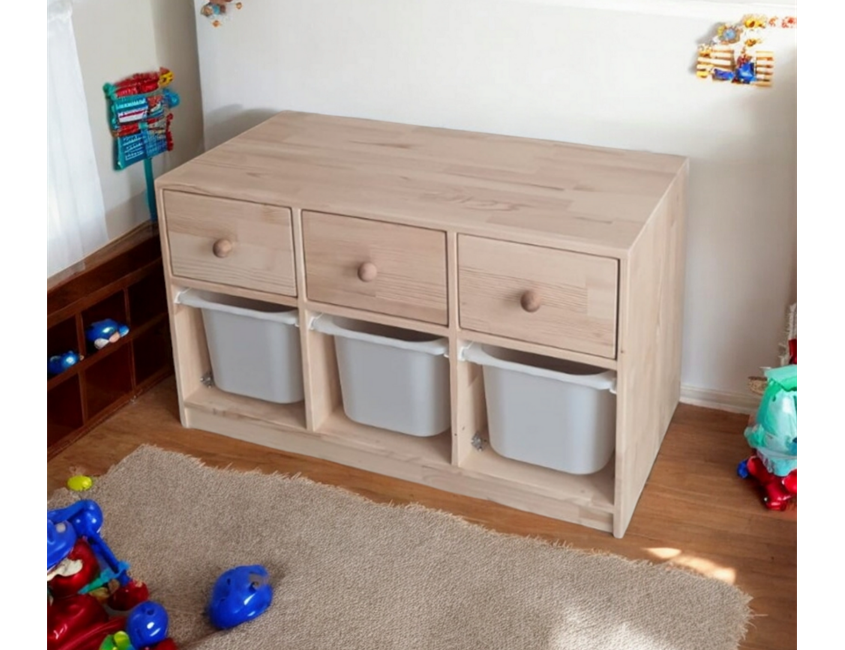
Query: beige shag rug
[350, 574]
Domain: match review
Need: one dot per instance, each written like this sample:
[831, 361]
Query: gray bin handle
[602, 381]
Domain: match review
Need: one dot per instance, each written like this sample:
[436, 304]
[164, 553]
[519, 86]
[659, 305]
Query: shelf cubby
[147, 299]
[151, 349]
[109, 380]
[113, 307]
[64, 410]
[63, 337]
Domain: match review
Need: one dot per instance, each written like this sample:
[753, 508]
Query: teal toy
[774, 437]
[774, 434]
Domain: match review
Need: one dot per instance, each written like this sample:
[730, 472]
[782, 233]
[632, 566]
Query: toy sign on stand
[139, 117]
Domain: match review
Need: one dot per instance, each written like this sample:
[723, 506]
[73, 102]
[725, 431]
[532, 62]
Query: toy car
[103, 332]
[778, 491]
[92, 603]
[58, 363]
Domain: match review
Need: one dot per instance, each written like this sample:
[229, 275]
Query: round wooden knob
[222, 247]
[367, 272]
[530, 301]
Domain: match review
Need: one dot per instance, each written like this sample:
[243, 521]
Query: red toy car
[778, 491]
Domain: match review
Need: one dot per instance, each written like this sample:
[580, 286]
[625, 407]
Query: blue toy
[744, 73]
[103, 332]
[240, 594]
[58, 363]
[92, 603]
[146, 624]
[82, 519]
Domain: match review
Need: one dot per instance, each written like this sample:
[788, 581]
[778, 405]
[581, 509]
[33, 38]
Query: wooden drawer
[375, 266]
[541, 295]
[236, 243]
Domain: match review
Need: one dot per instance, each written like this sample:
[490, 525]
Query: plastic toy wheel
[742, 469]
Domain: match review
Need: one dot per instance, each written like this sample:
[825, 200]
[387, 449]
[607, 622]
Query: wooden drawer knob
[530, 301]
[367, 272]
[222, 247]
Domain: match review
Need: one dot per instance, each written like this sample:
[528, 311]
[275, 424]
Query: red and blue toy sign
[139, 118]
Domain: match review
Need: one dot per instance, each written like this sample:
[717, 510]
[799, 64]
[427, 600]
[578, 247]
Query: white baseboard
[722, 400]
[726, 9]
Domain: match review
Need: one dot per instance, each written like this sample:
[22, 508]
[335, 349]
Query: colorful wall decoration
[735, 54]
[214, 10]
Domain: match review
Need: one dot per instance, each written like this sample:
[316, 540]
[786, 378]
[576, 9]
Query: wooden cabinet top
[582, 198]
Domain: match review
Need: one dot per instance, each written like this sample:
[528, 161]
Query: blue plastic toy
[58, 363]
[92, 602]
[239, 595]
[82, 519]
[146, 624]
[103, 332]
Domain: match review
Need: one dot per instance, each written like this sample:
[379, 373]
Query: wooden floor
[695, 512]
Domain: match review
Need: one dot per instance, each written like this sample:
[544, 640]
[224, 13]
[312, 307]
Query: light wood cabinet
[561, 250]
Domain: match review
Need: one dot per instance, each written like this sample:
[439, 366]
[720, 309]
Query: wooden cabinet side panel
[187, 333]
[650, 338]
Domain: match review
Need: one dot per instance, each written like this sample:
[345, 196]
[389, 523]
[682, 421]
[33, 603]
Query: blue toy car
[61, 362]
[103, 332]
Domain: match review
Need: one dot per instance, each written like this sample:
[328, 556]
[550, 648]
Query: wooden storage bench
[556, 249]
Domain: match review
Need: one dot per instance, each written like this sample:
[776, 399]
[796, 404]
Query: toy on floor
[80, 483]
[774, 437]
[103, 332]
[92, 603]
[240, 595]
[58, 363]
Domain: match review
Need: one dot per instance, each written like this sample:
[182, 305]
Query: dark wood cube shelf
[125, 282]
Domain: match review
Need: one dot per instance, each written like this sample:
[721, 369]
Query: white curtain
[76, 221]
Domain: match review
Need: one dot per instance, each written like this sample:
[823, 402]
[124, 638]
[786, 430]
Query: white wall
[553, 69]
[115, 39]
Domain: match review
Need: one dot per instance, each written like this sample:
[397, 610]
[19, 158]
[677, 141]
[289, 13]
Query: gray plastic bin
[548, 412]
[391, 378]
[254, 346]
